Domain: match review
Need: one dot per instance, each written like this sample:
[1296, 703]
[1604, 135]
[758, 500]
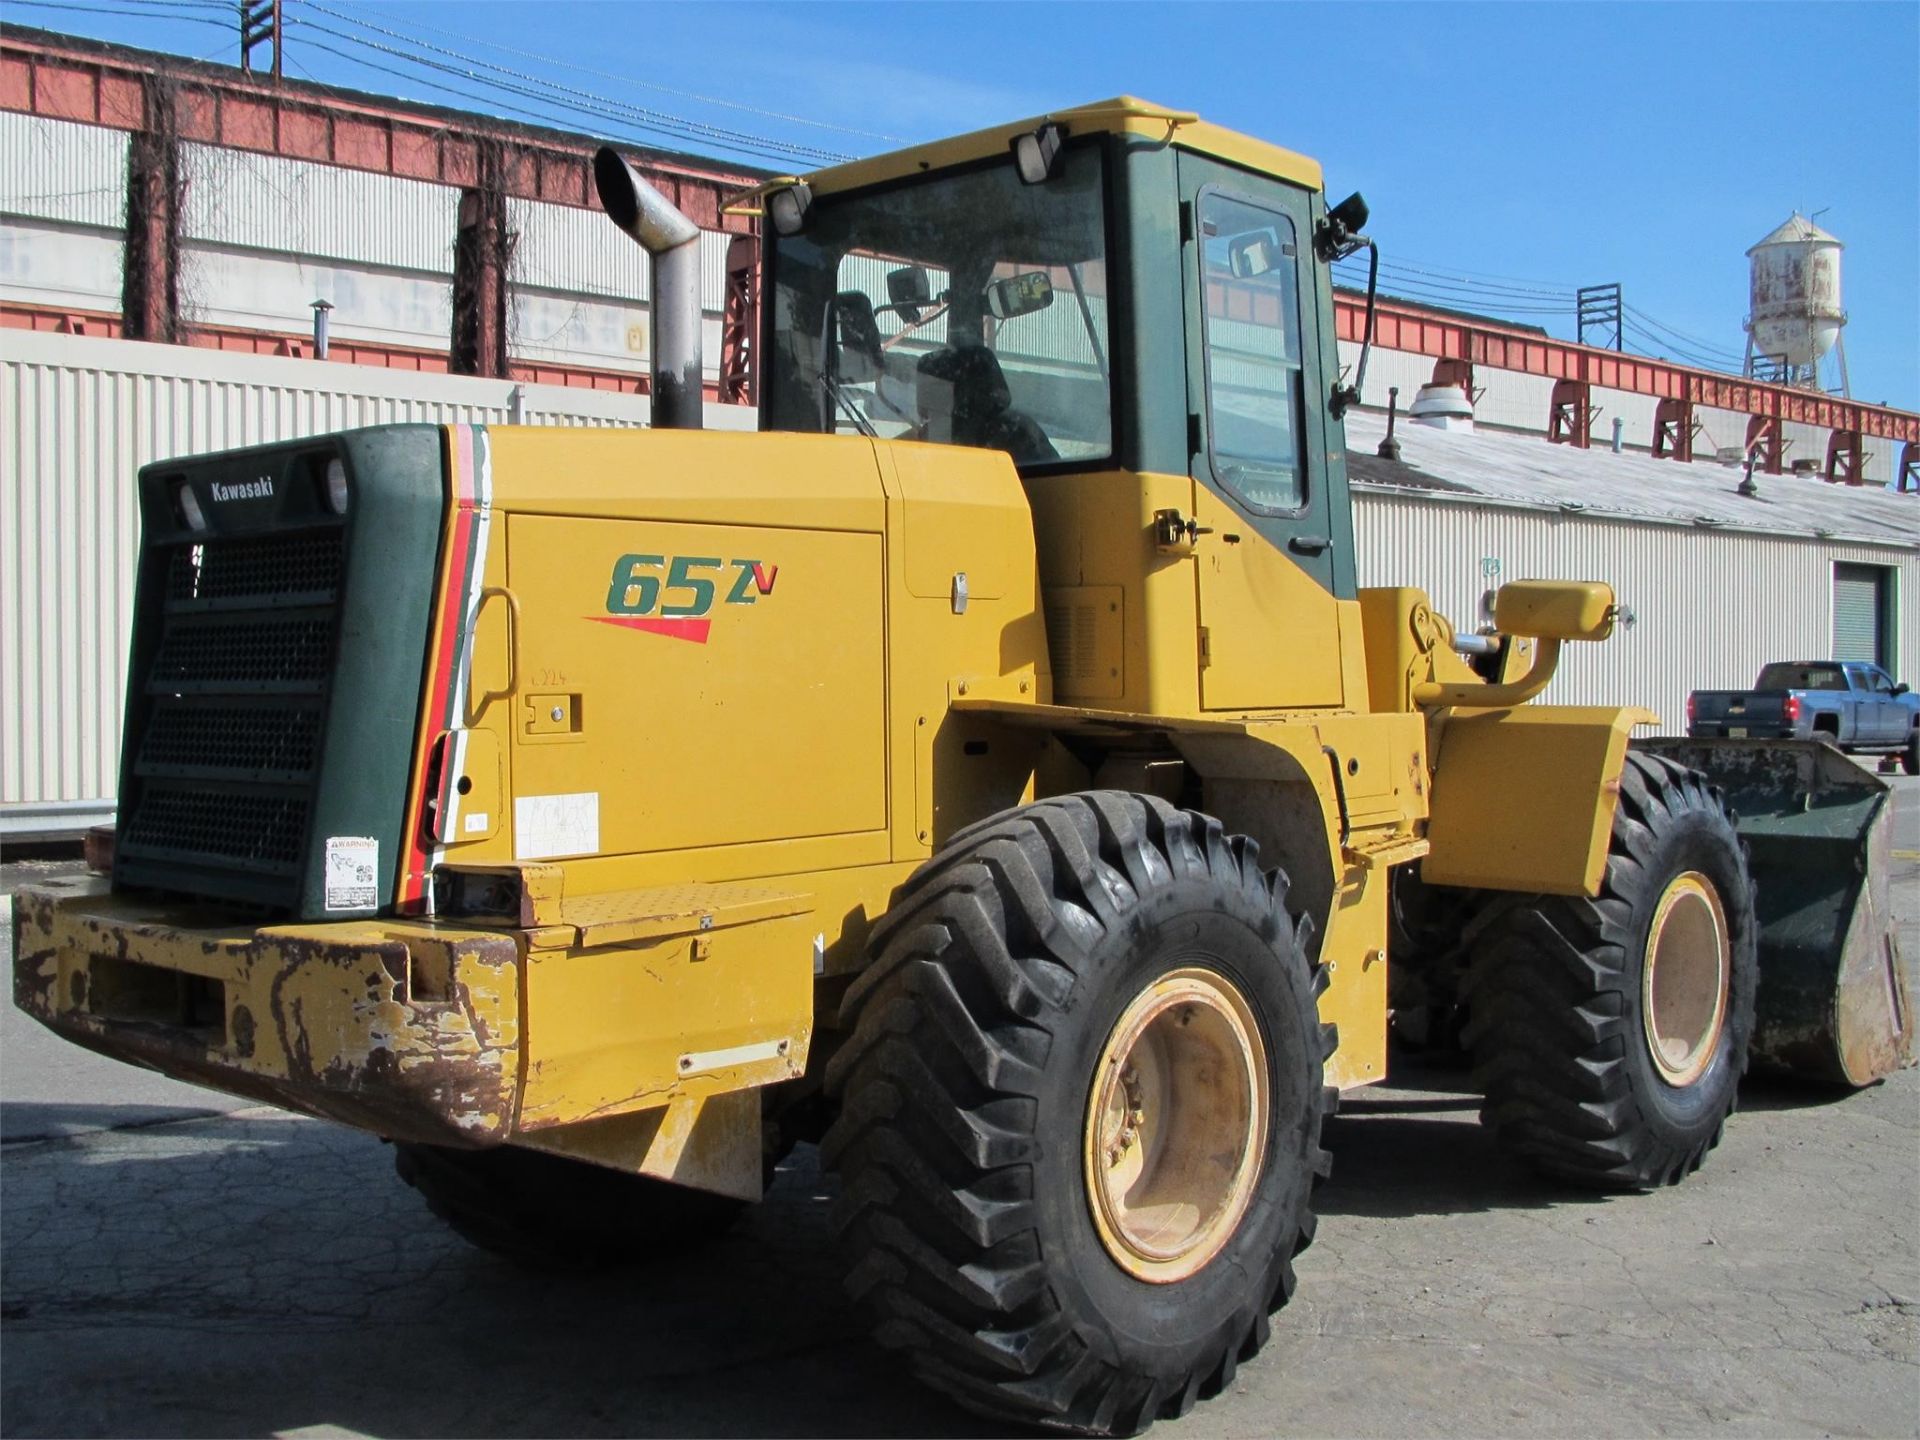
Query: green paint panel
[276, 664]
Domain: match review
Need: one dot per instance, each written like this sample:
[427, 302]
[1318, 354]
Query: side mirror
[1901, 688]
[1338, 235]
[909, 292]
[1255, 254]
[1018, 295]
[1556, 609]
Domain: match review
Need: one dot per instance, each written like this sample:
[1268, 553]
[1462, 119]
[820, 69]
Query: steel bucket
[1833, 1002]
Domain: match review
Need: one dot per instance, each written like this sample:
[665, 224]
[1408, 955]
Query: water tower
[1796, 316]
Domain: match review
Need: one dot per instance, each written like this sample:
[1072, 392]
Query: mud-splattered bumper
[409, 1030]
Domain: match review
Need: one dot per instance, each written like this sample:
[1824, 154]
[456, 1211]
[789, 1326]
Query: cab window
[1251, 264]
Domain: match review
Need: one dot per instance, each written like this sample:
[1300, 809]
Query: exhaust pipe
[674, 243]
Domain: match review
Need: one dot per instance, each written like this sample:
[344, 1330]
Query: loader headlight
[787, 207]
[1036, 155]
[187, 506]
[336, 487]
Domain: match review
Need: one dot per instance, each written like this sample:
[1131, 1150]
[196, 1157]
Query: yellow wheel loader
[989, 772]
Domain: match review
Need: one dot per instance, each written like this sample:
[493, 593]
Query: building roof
[1507, 468]
[1796, 229]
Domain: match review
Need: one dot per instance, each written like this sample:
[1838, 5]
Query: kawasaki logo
[678, 602]
[261, 489]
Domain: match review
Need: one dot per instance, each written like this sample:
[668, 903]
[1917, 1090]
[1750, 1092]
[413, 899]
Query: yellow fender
[1523, 799]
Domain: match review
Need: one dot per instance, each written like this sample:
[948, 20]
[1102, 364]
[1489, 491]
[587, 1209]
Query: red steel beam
[1479, 342]
[303, 122]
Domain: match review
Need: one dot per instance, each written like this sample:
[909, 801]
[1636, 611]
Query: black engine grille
[228, 721]
[260, 830]
[264, 570]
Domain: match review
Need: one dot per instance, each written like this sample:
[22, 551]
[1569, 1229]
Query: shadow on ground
[253, 1276]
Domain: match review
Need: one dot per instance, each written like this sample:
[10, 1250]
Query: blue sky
[1514, 145]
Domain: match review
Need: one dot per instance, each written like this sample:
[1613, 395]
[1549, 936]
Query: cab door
[1268, 542]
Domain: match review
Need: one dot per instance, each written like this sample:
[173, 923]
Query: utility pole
[1599, 309]
[259, 23]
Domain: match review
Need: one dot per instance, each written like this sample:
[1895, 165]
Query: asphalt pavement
[175, 1263]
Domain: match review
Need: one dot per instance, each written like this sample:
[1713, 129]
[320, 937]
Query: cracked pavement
[174, 1263]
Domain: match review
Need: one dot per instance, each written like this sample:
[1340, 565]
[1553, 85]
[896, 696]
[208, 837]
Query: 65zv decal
[675, 595]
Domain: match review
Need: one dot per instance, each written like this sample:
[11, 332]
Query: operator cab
[1116, 288]
[1136, 308]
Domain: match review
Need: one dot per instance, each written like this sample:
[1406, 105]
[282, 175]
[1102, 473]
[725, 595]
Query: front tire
[1080, 1113]
[1609, 1035]
[1910, 757]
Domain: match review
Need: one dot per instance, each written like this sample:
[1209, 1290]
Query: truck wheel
[1910, 757]
[1609, 1035]
[549, 1212]
[1080, 1113]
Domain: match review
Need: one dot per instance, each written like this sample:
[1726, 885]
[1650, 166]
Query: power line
[1706, 346]
[608, 75]
[570, 97]
[1666, 348]
[143, 12]
[1458, 281]
[558, 115]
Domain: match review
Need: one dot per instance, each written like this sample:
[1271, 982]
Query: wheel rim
[1176, 1124]
[1685, 978]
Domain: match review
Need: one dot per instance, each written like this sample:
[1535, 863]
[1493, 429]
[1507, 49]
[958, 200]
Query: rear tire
[1609, 1035]
[549, 1212]
[1062, 1004]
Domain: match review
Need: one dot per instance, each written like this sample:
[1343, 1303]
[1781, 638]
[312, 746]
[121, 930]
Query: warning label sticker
[352, 863]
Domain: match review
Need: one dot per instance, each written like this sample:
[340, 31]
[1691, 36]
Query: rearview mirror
[1255, 254]
[909, 292]
[1019, 295]
[1555, 609]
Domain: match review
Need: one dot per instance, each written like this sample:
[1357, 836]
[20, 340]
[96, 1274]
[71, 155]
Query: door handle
[1173, 531]
[1309, 544]
[475, 704]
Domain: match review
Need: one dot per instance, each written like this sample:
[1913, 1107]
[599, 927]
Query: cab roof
[1122, 115]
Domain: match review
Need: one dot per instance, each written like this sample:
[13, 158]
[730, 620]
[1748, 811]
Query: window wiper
[845, 402]
[830, 378]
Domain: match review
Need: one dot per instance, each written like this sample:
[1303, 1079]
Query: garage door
[1859, 608]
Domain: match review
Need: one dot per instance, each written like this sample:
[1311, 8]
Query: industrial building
[192, 258]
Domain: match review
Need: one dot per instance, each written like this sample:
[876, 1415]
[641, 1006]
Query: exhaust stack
[674, 243]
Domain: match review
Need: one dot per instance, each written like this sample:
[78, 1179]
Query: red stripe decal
[694, 630]
[439, 700]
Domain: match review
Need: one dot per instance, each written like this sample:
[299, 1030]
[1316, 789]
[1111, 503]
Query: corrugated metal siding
[579, 252]
[46, 263]
[78, 417]
[1712, 606]
[255, 290]
[1387, 369]
[297, 207]
[60, 170]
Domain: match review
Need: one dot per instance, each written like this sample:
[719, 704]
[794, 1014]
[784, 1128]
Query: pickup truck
[1847, 703]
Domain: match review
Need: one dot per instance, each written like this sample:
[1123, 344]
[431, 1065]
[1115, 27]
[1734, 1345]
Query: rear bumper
[409, 1030]
[1735, 730]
